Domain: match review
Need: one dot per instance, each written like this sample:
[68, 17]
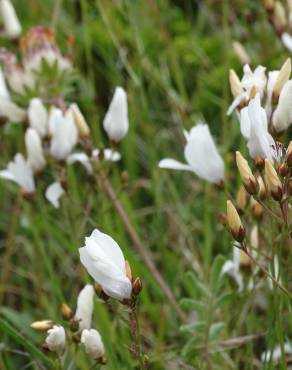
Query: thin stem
[140, 246]
[56, 13]
[135, 333]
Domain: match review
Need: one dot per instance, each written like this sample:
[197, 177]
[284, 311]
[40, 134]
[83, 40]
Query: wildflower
[56, 338]
[38, 116]
[42, 325]
[255, 125]
[282, 117]
[34, 150]
[201, 155]
[54, 193]
[64, 133]
[247, 176]
[234, 223]
[80, 121]
[104, 261]
[273, 182]
[93, 343]
[116, 122]
[85, 307]
[20, 172]
[275, 354]
[12, 27]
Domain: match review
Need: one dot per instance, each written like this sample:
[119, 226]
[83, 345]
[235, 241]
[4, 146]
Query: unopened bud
[80, 121]
[259, 162]
[246, 175]
[269, 5]
[256, 208]
[67, 313]
[283, 77]
[273, 182]
[234, 223]
[241, 198]
[263, 193]
[128, 270]
[235, 84]
[244, 259]
[280, 19]
[42, 325]
[283, 170]
[289, 154]
[74, 325]
[137, 286]
[241, 52]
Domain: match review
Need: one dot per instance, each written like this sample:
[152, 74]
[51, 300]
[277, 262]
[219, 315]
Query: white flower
[34, 150]
[201, 155]
[64, 134]
[232, 268]
[56, 338]
[85, 307]
[93, 343]
[282, 117]
[104, 261]
[250, 80]
[38, 116]
[255, 125]
[85, 160]
[12, 27]
[275, 355]
[287, 40]
[116, 122]
[20, 172]
[54, 193]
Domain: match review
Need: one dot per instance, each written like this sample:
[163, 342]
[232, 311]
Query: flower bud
[244, 259]
[241, 53]
[235, 84]
[12, 27]
[67, 313]
[259, 162]
[116, 122]
[283, 169]
[85, 307]
[241, 198]
[42, 325]
[234, 223]
[280, 19]
[256, 208]
[34, 149]
[283, 77]
[269, 5]
[56, 339]
[273, 182]
[254, 237]
[246, 175]
[282, 117]
[137, 286]
[38, 116]
[263, 193]
[80, 121]
[93, 343]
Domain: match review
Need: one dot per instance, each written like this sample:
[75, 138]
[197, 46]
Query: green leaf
[215, 279]
[216, 329]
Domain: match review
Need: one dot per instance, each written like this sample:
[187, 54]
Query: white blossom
[38, 116]
[56, 338]
[64, 133]
[54, 193]
[116, 122]
[34, 150]
[282, 117]
[275, 354]
[287, 40]
[201, 155]
[93, 343]
[85, 307]
[20, 172]
[105, 262]
[12, 27]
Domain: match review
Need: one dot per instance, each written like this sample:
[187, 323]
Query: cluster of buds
[280, 16]
[42, 68]
[77, 330]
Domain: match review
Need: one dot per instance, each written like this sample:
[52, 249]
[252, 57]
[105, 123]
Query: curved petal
[173, 164]
[54, 193]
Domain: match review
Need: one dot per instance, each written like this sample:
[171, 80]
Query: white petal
[236, 102]
[173, 164]
[3, 88]
[12, 27]
[56, 339]
[287, 40]
[54, 193]
[34, 150]
[282, 117]
[85, 307]
[11, 111]
[38, 116]
[93, 343]
[81, 158]
[109, 154]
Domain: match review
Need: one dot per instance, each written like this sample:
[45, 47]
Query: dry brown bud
[67, 313]
[248, 179]
[235, 85]
[260, 163]
[234, 223]
[283, 77]
[137, 286]
[283, 169]
[273, 182]
[128, 270]
[42, 325]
